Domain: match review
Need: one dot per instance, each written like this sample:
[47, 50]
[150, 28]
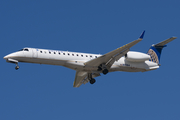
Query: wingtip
[174, 37]
[142, 35]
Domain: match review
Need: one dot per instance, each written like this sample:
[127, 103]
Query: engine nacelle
[136, 56]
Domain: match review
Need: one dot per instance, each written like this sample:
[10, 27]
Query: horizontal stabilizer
[155, 50]
[165, 41]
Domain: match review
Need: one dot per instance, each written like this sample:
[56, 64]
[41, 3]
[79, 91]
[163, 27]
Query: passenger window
[86, 56]
[77, 55]
[72, 54]
[59, 53]
[63, 53]
[40, 51]
[68, 54]
[81, 55]
[90, 56]
[54, 52]
[96, 56]
[49, 52]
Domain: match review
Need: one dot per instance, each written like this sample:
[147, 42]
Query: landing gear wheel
[105, 71]
[17, 67]
[99, 68]
[92, 81]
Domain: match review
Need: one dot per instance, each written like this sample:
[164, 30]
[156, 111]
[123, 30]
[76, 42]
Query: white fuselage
[75, 60]
[89, 66]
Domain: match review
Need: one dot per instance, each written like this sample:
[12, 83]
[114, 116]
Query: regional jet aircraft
[88, 66]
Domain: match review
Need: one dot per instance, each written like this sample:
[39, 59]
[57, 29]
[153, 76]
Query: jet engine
[136, 56]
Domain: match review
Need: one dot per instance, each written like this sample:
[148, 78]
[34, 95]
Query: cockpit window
[26, 49]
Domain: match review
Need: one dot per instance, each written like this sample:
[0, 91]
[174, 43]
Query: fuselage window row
[63, 53]
[58, 53]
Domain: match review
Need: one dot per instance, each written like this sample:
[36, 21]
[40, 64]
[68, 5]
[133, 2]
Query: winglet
[142, 35]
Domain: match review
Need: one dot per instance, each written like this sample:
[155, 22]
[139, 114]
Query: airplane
[88, 66]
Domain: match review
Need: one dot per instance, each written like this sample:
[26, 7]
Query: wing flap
[80, 76]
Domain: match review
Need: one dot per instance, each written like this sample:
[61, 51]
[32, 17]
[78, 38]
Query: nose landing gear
[9, 60]
[17, 67]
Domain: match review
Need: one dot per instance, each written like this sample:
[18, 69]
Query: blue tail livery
[155, 50]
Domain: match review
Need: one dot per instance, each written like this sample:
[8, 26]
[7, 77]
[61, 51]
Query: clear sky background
[45, 92]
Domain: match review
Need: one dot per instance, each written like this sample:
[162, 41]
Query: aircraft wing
[82, 78]
[109, 58]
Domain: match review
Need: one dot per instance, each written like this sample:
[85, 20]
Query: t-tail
[155, 50]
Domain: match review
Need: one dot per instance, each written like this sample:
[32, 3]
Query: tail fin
[155, 50]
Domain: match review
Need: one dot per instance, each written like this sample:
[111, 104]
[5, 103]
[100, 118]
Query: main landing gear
[103, 68]
[91, 80]
[105, 71]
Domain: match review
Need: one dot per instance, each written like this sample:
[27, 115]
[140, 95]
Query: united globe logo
[153, 55]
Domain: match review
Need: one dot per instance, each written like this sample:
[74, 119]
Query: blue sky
[46, 92]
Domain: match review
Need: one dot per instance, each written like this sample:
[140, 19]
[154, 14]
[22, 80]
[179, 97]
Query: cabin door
[34, 53]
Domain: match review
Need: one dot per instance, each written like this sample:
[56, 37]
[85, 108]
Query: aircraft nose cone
[6, 57]
[10, 55]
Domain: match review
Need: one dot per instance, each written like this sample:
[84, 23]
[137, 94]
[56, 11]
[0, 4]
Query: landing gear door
[34, 53]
